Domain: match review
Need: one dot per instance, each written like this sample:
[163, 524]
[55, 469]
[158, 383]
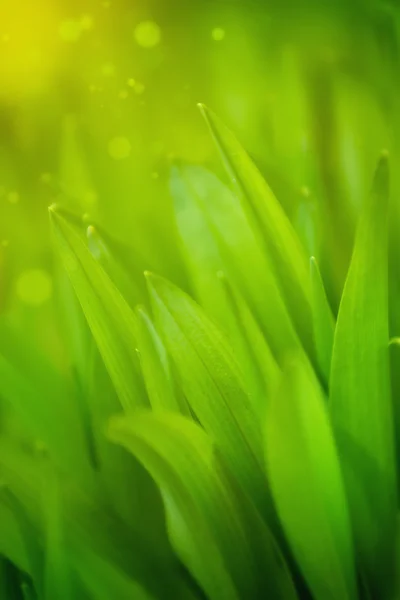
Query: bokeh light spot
[119, 148]
[147, 34]
[34, 287]
[218, 34]
[13, 197]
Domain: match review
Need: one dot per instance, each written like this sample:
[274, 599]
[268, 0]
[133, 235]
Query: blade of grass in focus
[212, 382]
[271, 224]
[110, 318]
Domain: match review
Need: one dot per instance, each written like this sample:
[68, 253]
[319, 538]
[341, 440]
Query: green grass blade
[254, 354]
[161, 388]
[323, 322]
[360, 402]
[212, 382]
[199, 249]
[118, 274]
[270, 221]
[57, 572]
[103, 580]
[109, 317]
[234, 247]
[213, 523]
[306, 484]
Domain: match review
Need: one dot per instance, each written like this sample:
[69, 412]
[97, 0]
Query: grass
[238, 445]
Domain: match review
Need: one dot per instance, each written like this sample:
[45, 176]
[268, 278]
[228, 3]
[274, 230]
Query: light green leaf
[109, 317]
[101, 252]
[228, 243]
[323, 322]
[271, 224]
[258, 364]
[306, 484]
[212, 382]
[217, 531]
[156, 367]
[57, 571]
[199, 249]
[360, 402]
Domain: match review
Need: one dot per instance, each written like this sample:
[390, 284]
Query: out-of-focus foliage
[195, 392]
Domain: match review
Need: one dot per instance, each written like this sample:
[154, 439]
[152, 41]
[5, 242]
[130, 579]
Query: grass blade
[306, 484]
[109, 317]
[323, 322]
[212, 382]
[231, 246]
[219, 534]
[269, 220]
[156, 368]
[360, 399]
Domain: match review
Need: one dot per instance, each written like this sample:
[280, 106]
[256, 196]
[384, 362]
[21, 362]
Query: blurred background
[98, 98]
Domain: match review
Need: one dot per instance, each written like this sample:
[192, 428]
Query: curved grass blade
[306, 484]
[360, 402]
[218, 533]
[109, 317]
[158, 378]
[270, 222]
[212, 382]
[323, 321]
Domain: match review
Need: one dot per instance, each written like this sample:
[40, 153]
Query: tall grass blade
[306, 484]
[110, 319]
[360, 402]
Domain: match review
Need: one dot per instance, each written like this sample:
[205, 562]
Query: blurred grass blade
[270, 221]
[57, 572]
[218, 533]
[104, 581]
[323, 322]
[47, 413]
[154, 360]
[110, 319]
[233, 245]
[212, 382]
[360, 400]
[307, 486]
[199, 249]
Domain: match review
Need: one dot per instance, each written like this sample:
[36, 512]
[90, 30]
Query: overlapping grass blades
[254, 456]
[215, 527]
